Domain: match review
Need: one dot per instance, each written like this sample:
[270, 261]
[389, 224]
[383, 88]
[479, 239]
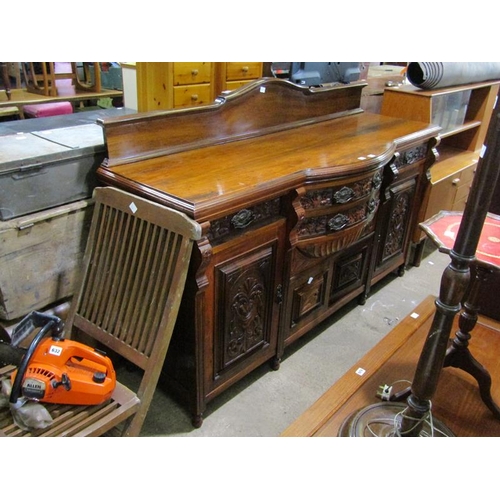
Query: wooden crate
[41, 256]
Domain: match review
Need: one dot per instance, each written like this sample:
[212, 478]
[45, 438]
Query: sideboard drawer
[335, 215]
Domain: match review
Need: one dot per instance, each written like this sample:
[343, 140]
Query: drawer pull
[194, 97]
[194, 72]
[243, 218]
[244, 69]
[456, 181]
[343, 195]
[338, 222]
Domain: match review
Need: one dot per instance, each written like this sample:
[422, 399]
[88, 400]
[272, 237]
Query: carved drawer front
[248, 218]
[337, 215]
[308, 294]
[411, 156]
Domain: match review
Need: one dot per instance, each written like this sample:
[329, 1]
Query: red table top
[443, 229]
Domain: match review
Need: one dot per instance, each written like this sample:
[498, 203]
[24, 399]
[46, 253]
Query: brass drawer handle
[244, 69]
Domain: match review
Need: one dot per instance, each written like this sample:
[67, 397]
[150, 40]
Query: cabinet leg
[275, 363]
[197, 421]
[418, 253]
[401, 270]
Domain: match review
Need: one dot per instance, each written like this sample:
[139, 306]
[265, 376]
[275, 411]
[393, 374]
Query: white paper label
[55, 350]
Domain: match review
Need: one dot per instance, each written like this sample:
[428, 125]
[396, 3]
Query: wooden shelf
[464, 113]
[451, 161]
[461, 128]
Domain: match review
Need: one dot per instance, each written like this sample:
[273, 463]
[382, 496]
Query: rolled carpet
[432, 75]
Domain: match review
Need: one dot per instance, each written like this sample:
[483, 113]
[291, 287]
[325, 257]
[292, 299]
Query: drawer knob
[194, 97]
[244, 69]
[194, 72]
[456, 181]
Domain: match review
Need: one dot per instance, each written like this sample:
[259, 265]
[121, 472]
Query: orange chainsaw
[56, 370]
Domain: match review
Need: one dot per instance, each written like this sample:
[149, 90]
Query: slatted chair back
[135, 270]
[135, 267]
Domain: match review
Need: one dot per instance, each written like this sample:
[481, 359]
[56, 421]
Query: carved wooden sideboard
[305, 202]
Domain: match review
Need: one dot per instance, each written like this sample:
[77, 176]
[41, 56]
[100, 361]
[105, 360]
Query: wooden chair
[43, 77]
[135, 266]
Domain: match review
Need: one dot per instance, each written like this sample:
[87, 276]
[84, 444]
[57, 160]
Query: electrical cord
[385, 393]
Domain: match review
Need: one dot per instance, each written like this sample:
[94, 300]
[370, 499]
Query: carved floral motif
[411, 156]
[397, 225]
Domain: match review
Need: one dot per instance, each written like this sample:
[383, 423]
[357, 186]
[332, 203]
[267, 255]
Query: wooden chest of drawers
[236, 74]
[193, 83]
[168, 85]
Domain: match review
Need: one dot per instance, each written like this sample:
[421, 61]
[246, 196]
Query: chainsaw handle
[35, 319]
[94, 355]
[16, 386]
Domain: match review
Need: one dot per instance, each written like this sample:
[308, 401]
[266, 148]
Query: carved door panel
[349, 271]
[247, 298]
[393, 237]
[307, 299]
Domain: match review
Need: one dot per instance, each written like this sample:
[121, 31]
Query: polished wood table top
[212, 160]
[457, 402]
[20, 97]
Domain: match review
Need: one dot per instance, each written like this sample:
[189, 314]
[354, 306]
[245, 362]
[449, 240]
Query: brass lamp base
[383, 420]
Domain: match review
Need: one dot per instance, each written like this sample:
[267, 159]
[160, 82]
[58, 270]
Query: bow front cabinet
[305, 201]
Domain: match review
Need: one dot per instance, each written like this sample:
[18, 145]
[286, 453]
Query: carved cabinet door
[247, 299]
[395, 225]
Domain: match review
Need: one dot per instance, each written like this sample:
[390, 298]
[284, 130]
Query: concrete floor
[266, 402]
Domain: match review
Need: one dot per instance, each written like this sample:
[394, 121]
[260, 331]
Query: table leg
[458, 354]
